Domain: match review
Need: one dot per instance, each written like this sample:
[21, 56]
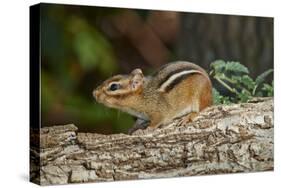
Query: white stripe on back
[175, 76]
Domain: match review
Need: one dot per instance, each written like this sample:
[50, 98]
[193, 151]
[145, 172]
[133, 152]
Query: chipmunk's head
[119, 91]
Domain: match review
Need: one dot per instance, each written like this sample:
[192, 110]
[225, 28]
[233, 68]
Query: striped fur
[175, 79]
[171, 73]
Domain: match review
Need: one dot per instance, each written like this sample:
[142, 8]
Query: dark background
[81, 46]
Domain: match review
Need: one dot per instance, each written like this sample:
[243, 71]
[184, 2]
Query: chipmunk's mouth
[98, 96]
[101, 98]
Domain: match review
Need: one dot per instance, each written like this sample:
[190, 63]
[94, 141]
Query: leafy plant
[235, 78]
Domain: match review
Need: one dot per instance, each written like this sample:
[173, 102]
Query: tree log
[222, 139]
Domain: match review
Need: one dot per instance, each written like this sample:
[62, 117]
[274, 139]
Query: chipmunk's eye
[114, 87]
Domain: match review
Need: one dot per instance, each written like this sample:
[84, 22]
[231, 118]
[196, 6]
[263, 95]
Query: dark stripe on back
[174, 72]
[160, 69]
[177, 81]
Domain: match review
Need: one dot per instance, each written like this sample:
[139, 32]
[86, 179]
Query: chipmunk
[175, 90]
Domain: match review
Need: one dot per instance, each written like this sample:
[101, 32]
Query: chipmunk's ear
[137, 72]
[137, 80]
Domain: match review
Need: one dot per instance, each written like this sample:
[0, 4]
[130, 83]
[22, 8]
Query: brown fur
[141, 97]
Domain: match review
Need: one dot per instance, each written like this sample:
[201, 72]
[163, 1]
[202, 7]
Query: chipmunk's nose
[95, 94]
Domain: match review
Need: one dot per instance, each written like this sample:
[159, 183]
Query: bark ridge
[222, 139]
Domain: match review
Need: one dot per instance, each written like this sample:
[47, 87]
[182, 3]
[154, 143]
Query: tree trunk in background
[222, 139]
[204, 38]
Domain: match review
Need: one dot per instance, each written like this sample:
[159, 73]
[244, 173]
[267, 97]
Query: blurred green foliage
[81, 46]
[75, 54]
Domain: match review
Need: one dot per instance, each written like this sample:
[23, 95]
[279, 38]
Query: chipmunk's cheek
[103, 98]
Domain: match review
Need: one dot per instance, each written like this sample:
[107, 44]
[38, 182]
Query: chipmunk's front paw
[188, 118]
[140, 124]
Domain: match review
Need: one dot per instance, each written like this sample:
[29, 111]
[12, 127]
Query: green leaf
[236, 67]
[234, 77]
[248, 82]
[219, 99]
[261, 77]
[216, 97]
[268, 89]
[218, 65]
[244, 95]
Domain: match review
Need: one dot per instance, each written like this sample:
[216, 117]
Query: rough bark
[222, 139]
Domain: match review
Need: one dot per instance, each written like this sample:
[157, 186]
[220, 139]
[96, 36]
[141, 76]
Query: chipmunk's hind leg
[139, 124]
